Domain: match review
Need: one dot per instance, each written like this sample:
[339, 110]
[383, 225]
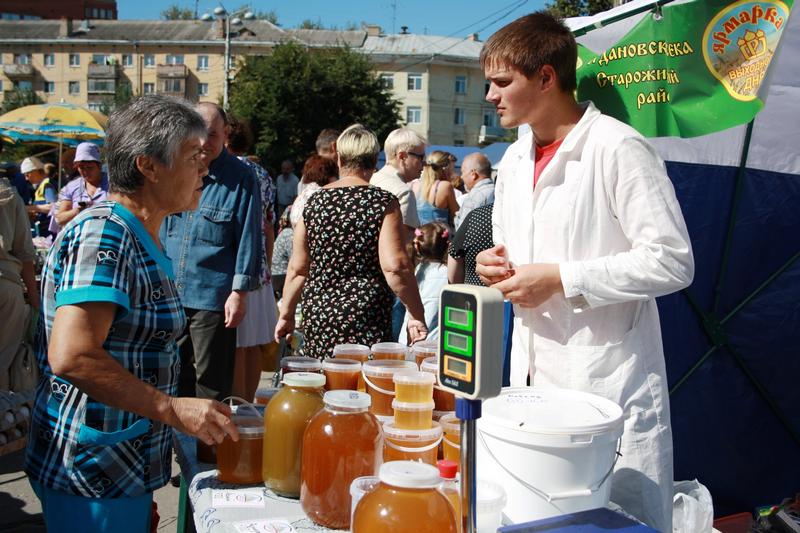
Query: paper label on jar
[222, 499]
[275, 525]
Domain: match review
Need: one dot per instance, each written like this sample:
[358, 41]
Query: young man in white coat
[587, 234]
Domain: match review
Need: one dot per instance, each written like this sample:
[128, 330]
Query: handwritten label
[275, 525]
[237, 499]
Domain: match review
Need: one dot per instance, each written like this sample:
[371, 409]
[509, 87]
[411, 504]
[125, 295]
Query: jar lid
[248, 424]
[305, 364]
[389, 347]
[425, 347]
[347, 349]
[341, 365]
[386, 367]
[304, 379]
[414, 377]
[347, 399]
[450, 422]
[447, 468]
[489, 497]
[430, 364]
[409, 475]
[412, 406]
[412, 435]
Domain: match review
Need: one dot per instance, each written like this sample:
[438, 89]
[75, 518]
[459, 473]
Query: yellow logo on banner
[740, 41]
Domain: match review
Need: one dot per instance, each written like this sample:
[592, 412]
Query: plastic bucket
[341, 373]
[422, 350]
[552, 450]
[378, 377]
[389, 350]
[411, 444]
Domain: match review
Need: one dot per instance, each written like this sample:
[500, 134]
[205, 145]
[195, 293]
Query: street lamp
[228, 19]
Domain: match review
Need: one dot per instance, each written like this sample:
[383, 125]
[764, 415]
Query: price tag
[275, 525]
[237, 499]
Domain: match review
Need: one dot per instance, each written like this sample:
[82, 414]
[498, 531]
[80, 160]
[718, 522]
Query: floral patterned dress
[346, 298]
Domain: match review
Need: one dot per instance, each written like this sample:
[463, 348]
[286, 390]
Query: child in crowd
[429, 252]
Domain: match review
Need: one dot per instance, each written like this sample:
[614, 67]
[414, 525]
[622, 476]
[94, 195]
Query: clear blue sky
[435, 17]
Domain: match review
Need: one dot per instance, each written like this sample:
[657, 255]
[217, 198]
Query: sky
[435, 17]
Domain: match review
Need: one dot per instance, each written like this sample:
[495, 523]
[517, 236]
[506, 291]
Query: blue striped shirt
[77, 444]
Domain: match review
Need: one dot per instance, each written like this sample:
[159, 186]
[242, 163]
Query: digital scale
[471, 367]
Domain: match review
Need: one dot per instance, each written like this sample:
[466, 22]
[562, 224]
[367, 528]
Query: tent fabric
[732, 339]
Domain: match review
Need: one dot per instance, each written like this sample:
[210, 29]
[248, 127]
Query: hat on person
[87, 152]
[29, 164]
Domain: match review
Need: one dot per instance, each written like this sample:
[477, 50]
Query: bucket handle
[406, 449]
[555, 495]
[372, 385]
[243, 403]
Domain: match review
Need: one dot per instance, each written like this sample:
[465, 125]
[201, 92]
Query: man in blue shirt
[215, 252]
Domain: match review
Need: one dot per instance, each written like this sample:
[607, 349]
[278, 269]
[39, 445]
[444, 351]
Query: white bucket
[552, 450]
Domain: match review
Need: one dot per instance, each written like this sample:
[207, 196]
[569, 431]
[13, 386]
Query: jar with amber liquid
[285, 421]
[239, 462]
[342, 442]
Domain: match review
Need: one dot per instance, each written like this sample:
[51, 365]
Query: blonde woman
[436, 199]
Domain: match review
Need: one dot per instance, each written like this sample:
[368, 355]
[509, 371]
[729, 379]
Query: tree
[176, 12]
[19, 98]
[309, 24]
[578, 8]
[293, 94]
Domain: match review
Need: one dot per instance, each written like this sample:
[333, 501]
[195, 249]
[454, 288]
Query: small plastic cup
[265, 394]
[444, 400]
[413, 386]
[412, 415]
[489, 504]
[451, 443]
[380, 385]
[423, 350]
[389, 350]
[358, 488]
[341, 374]
[300, 364]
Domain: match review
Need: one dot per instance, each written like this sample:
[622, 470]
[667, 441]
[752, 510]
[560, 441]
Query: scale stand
[468, 411]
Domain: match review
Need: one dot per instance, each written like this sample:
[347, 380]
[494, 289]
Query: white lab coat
[605, 211]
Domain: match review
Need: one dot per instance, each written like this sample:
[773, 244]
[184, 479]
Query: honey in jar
[380, 385]
[409, 415]
[342, 442]
[444, 400]
[405, 501]
[341, 374]
[300, 364]
[413, 386]
[424, 349]
[451, 443]
[389, 350]
[240, 462]
[411, 444]
[285, 421]
[359, 352]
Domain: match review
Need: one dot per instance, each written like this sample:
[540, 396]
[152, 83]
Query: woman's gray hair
[358, 148]
[153, 126]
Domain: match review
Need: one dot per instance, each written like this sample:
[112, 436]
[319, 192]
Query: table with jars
[349, 443]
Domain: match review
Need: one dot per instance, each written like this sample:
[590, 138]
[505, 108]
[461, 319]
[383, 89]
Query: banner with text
[692, 69]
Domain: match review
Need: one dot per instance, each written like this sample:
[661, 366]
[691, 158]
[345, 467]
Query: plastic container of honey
[413, 386]
[342, 442]
[285, 421]
[379, 383]
[411, 444]
[359, 352]
[240, 462]
[265, 394]
[300, 364]
[405, 501]
[341, 374]
[445, 401]
[451, 443]
[424, 349]
[389, 350]
[409, 415]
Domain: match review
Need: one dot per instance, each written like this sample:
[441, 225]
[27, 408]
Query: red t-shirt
[543, 156]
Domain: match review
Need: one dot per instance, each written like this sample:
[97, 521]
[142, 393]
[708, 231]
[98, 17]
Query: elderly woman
[318, 171]
[100, 441]
[436, 199]
[348, 258]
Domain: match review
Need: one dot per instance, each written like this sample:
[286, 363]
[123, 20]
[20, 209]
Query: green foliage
[293, 94]
[309, 24]
[578, 8]
[176, 12]
[19, 98]
[270, 15]
[122, 95]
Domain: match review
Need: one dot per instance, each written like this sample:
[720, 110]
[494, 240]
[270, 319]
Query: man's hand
[492, 265]
[235, 308]
[208, 420]
[530, 285]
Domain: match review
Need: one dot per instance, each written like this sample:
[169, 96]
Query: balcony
[489, 134]
[101, 86]
[102, 71]
[18, 71]
[172, 71]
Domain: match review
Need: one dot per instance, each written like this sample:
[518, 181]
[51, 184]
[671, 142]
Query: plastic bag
[692, 508]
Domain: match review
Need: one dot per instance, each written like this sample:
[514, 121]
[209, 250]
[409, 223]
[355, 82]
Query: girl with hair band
[436, 199]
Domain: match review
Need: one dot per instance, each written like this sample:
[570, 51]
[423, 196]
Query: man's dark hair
[240, 137]
[325, 138]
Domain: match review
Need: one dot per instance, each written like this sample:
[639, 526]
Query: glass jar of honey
[240, 462]
[405, 501]
[342, 442]
[424, 349]
[285, 421]
[444, 400]
[341, 374]
[379, 383]
[389, 350]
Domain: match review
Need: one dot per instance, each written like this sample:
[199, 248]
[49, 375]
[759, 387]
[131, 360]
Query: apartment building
[55, 9]
[438, 80]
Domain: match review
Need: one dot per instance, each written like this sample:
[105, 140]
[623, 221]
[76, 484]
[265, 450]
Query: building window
[25, 85]
[101, 59]
[458, 116]
[49, 60]
[100, 86]
[458, 142]
[202, 89]
[149, 88]
[74, 60]
[22, 59]
[49, 87]
[149, 60]
[172, 85]
[415, 82]
[127, 60]
[174, 59]
[95, 13]
[461, 85]
[490, 118]
[74, 87]
[387, 80]
[202, 62]
[95, 106]
[414, 115]
[1, 85]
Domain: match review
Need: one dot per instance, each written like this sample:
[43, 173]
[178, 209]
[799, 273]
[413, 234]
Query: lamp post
[223, 17]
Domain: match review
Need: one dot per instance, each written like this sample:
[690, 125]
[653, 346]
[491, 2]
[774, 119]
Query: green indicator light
[457, 343]
[463, 319]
